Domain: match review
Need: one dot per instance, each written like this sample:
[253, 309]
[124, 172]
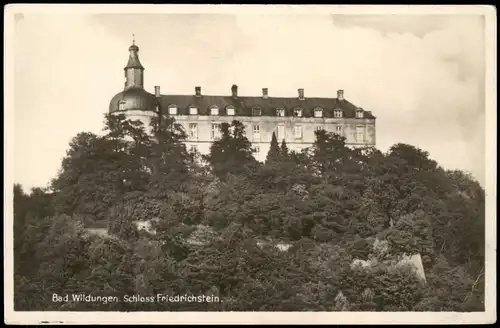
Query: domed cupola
[133, 97]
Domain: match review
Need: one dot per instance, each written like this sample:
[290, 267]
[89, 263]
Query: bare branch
[474, 285]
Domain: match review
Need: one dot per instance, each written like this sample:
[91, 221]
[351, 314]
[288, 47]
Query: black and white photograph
[293, 164]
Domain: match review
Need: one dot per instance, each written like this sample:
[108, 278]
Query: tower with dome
[134, 101]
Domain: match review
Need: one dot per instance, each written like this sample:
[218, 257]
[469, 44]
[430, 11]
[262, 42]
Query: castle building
[291, 118]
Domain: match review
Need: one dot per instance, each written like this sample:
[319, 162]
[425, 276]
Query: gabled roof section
[243, 105]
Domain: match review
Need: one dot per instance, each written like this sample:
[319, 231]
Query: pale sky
[422, 77]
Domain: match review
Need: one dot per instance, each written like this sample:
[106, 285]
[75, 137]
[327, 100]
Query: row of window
[194, 149]
[215, 132]
[280, 132]
[230, 110]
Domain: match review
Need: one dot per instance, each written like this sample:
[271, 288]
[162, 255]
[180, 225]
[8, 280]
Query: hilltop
[327, 229]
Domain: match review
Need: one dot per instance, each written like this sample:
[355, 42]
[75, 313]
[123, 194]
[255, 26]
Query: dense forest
[319, 230]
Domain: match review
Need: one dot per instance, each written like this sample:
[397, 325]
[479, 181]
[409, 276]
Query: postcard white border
[489, 316]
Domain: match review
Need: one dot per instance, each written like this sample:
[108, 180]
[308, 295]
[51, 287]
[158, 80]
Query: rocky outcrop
[380, 255]
[281, 246]
[415, 262]
[146, 225]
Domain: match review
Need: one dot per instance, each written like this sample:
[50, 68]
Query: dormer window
[280, 112]
[256, 111]
[359, 113]
[214, 110]
[172, 110]
[318, 112]
[121, 105]
[230, 110]
[337, 113]
[297, 112]
[193, 111]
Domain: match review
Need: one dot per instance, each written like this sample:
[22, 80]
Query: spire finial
[133, 39]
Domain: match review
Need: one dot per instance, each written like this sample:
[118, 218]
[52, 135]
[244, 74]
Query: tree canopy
[320, 230]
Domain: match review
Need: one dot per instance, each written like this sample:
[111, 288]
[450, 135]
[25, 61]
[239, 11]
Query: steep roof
[243, 105]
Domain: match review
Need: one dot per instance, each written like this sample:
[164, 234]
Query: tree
[414, 157]
[28, 209]
[451, 288]
[284, 148]
[222, 229]
[412, 234]
[121, 222]
[330, 156]
[458, 224]
[332, 208]
[97, 170]
[274, 153]
[170, 161]
[57, 256]
[232, 153]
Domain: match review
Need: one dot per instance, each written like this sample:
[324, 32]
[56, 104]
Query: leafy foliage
[232, 153]
[319, 230]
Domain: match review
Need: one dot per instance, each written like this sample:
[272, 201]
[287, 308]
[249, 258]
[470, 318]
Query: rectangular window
[298, 132]
[193, 111]
[360, 134]
[172, 110]
[230, 111]
[359, 114]
[193, 131]
[215, 131]
[256, 149]
[297, 112]
[337, 113]
[214, 111]
[280, 112]
[256, 132]
[338, 129]
[256, 112]
[121, 105]
[280, 133]
[318, 113]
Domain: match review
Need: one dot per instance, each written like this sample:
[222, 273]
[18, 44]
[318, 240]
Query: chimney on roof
[197, 91]
[234, 91]
[301, 94]
[340, 95]
[157, 91]
[265, 93]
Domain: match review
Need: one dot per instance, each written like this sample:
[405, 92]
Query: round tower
[134, 101]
